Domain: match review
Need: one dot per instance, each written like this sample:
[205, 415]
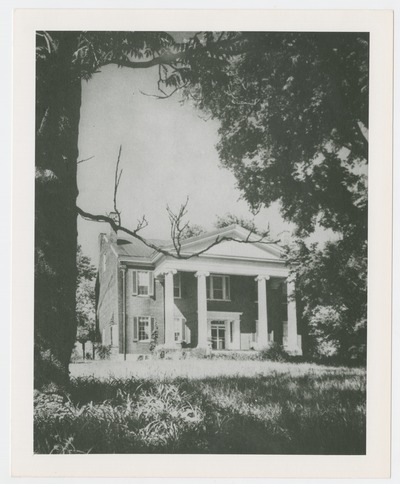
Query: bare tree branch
[117, 179]
[165, 95]
[162, 250]
[86, 159]
[176, 229]
[178, 225]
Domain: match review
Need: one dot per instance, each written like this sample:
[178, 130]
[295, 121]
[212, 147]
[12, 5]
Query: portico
[218, 325]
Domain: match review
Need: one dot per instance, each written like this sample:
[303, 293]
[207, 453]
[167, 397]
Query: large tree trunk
[58, 100]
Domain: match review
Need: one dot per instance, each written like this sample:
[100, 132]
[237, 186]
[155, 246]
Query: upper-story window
[218, 288]
[177, 285]
[142, 283]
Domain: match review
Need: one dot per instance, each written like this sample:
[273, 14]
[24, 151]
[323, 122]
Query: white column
[169, 308]
[202, 339]
[292, 317]
[262, 341]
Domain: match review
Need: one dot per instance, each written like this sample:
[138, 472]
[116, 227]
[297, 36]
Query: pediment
[244, 246]
[243, 250]
[237, 250]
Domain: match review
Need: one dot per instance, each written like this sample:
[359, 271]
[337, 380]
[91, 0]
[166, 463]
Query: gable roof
[133, 248]
[234, 235]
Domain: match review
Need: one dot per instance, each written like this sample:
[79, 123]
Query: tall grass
[282, 408]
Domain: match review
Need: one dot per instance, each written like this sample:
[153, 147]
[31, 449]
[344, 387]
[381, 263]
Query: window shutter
[208, 285]
[183, 329]
[151, 283]
[152, 327]
[187, 334]
[134, 283]
[227, 288]
[135, 329]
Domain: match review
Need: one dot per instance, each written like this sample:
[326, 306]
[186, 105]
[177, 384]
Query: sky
[168, 153]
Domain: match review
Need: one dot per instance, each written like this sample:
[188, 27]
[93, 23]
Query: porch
[228, 311]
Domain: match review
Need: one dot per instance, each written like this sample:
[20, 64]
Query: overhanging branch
[177, 251]
[177, 223]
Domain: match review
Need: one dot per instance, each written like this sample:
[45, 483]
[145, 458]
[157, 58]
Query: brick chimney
[113, 235]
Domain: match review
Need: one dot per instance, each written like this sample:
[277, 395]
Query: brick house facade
[232, 297]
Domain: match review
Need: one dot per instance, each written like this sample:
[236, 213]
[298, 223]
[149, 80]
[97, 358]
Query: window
[218, 335]
[143, 327]
[181, 330]
[178, 329]
[177, 285]
[218, 288]
[142, 283]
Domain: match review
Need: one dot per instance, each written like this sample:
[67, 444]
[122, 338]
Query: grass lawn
[205, 406]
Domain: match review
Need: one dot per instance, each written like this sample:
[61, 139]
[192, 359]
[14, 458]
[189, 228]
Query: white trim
[227, 267]
[223, 315]
[240, 232]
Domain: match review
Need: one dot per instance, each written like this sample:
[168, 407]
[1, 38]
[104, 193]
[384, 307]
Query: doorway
[218, 335]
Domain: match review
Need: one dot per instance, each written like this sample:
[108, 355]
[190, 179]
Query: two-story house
[234, 296]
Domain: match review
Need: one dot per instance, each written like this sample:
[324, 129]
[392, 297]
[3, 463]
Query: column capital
[166, 272]
[262, 278]
[201, 274]
[170, 271]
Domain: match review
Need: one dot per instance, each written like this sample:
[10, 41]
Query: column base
[262, 345]
[294, 351]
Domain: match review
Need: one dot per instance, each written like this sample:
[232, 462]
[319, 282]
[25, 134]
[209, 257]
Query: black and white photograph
[201, 242]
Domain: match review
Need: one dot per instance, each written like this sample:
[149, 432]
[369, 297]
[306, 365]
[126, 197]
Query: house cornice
[240, 232]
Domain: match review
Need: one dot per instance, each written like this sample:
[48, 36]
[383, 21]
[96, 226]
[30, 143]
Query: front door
[218, 335]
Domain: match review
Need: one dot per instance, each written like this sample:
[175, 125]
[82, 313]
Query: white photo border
[376, 462]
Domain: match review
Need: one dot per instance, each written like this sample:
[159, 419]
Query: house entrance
[218, 335]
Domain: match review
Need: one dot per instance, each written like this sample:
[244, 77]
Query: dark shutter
[134, 283]
[227, 288]
[183, 332]
[151, 283]
[152, 327]
[135, 329]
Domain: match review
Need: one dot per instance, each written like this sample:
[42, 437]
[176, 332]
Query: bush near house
[204, 406]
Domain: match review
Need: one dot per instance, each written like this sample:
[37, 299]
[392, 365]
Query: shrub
[274, 352]
[75, 356]
[324, 326]
[198, 353]
[289, 409]
[154, 339]
[103, 351]
[152, 419]
[166, 415]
